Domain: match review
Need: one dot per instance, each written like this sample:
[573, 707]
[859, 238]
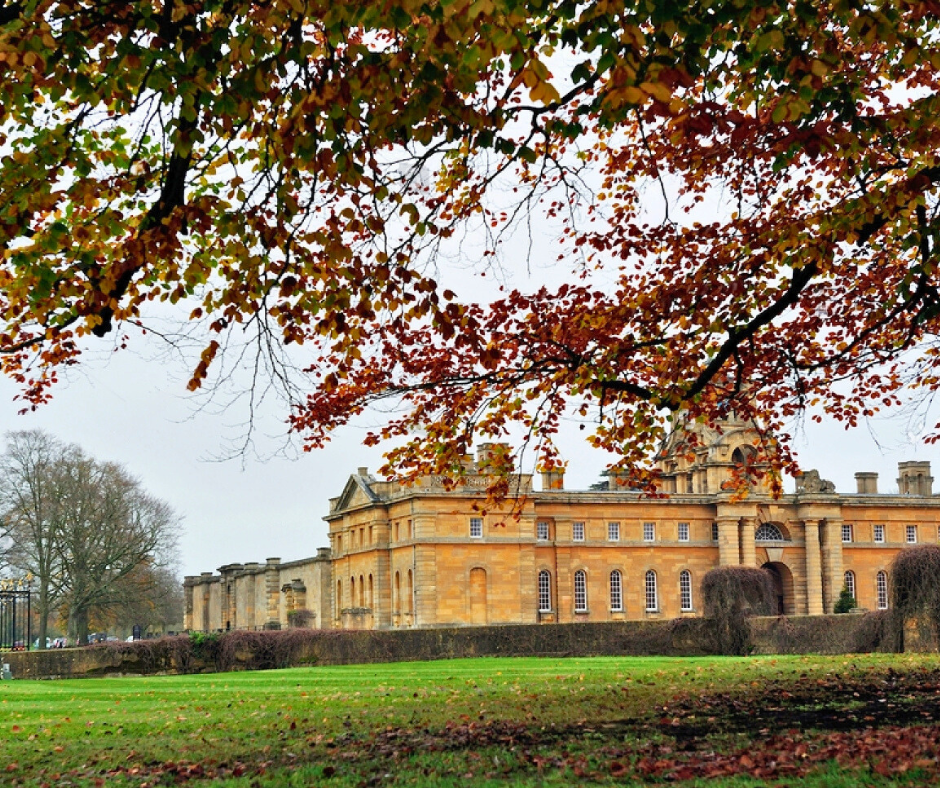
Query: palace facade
[425, 556]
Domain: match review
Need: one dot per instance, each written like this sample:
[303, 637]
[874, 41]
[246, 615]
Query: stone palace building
[424, 556]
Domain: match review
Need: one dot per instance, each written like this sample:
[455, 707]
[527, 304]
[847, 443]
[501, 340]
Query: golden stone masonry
[423, 556]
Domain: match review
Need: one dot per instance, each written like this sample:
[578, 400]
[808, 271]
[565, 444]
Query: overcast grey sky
[135, 410]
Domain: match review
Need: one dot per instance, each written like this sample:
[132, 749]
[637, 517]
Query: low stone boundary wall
[259, 650]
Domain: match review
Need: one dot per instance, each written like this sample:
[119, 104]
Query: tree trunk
[43, 611]
[79, 623]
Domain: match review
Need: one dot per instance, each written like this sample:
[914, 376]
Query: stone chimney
[486, 452]
[914, 478]
[553, 480]
[866, 483]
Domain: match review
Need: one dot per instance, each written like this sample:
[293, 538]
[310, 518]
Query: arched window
[409, 602]
[362, 592]
[685, 589]
[849, 582]
[768, 532]
[652, 598]
[371, 593]
[616, 590]
[744, 455]
[545, 591]
[580, 592]
[352, 591]
[396, 602]
[339, 595]
[881, 590]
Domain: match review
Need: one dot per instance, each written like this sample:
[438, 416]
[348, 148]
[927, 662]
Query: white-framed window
[714, 532]
[613, 532]
[649, 532]
[541, 531]
[683, 532]
[849, 582]
[881, 590]
[545, 591]
[879, 533]
[616, 590]
[652, 598]
[580, 592]
[685, 590]
[577, 532]
[476, 527]
[846, 533]
[911, 534]
[938, 533]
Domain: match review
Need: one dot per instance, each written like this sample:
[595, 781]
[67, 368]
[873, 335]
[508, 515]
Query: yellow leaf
[657, 90]
[819, 68]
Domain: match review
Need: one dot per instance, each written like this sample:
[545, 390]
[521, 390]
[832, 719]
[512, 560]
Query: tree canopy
[95, 542]
[743, 196]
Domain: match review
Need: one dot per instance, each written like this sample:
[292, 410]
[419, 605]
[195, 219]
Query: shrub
[845, 602]
[915, 591]
[300, 619]
[731, 594]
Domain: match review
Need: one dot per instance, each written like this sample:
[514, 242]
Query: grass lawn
[811, 720]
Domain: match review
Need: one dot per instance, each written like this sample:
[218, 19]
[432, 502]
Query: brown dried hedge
[915, 592]
[731, 594]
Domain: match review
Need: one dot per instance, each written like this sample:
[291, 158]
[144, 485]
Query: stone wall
[680, 638]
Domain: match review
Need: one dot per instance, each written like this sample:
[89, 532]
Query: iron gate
[14, 615]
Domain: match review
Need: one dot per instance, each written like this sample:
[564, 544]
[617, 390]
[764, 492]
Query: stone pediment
[356, 493]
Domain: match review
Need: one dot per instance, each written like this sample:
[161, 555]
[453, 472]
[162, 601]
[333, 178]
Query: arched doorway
[783, 587]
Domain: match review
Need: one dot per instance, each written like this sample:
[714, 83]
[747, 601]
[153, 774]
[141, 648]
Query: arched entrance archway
[783, 587]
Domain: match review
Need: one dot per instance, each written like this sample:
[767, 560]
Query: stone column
[728, 546]
[188, 620]
[814, 600]
[272, 587]
[832, 572]
[748, 547]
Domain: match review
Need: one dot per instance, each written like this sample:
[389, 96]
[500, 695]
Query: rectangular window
[339, 543]
[371, 535]
[879, 534]
[476, 527]
[541, 531]
[577, 532]
[846, 532]
[649, 532]
[613, 532]
[714, 532]
[912, 534]
[683, 532]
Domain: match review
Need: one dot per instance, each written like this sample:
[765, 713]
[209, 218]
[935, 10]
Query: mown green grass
[315, 726]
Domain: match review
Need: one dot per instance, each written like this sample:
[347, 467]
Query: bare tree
[82, 527]
[29, 509]
[112, 529]
[151, 597]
